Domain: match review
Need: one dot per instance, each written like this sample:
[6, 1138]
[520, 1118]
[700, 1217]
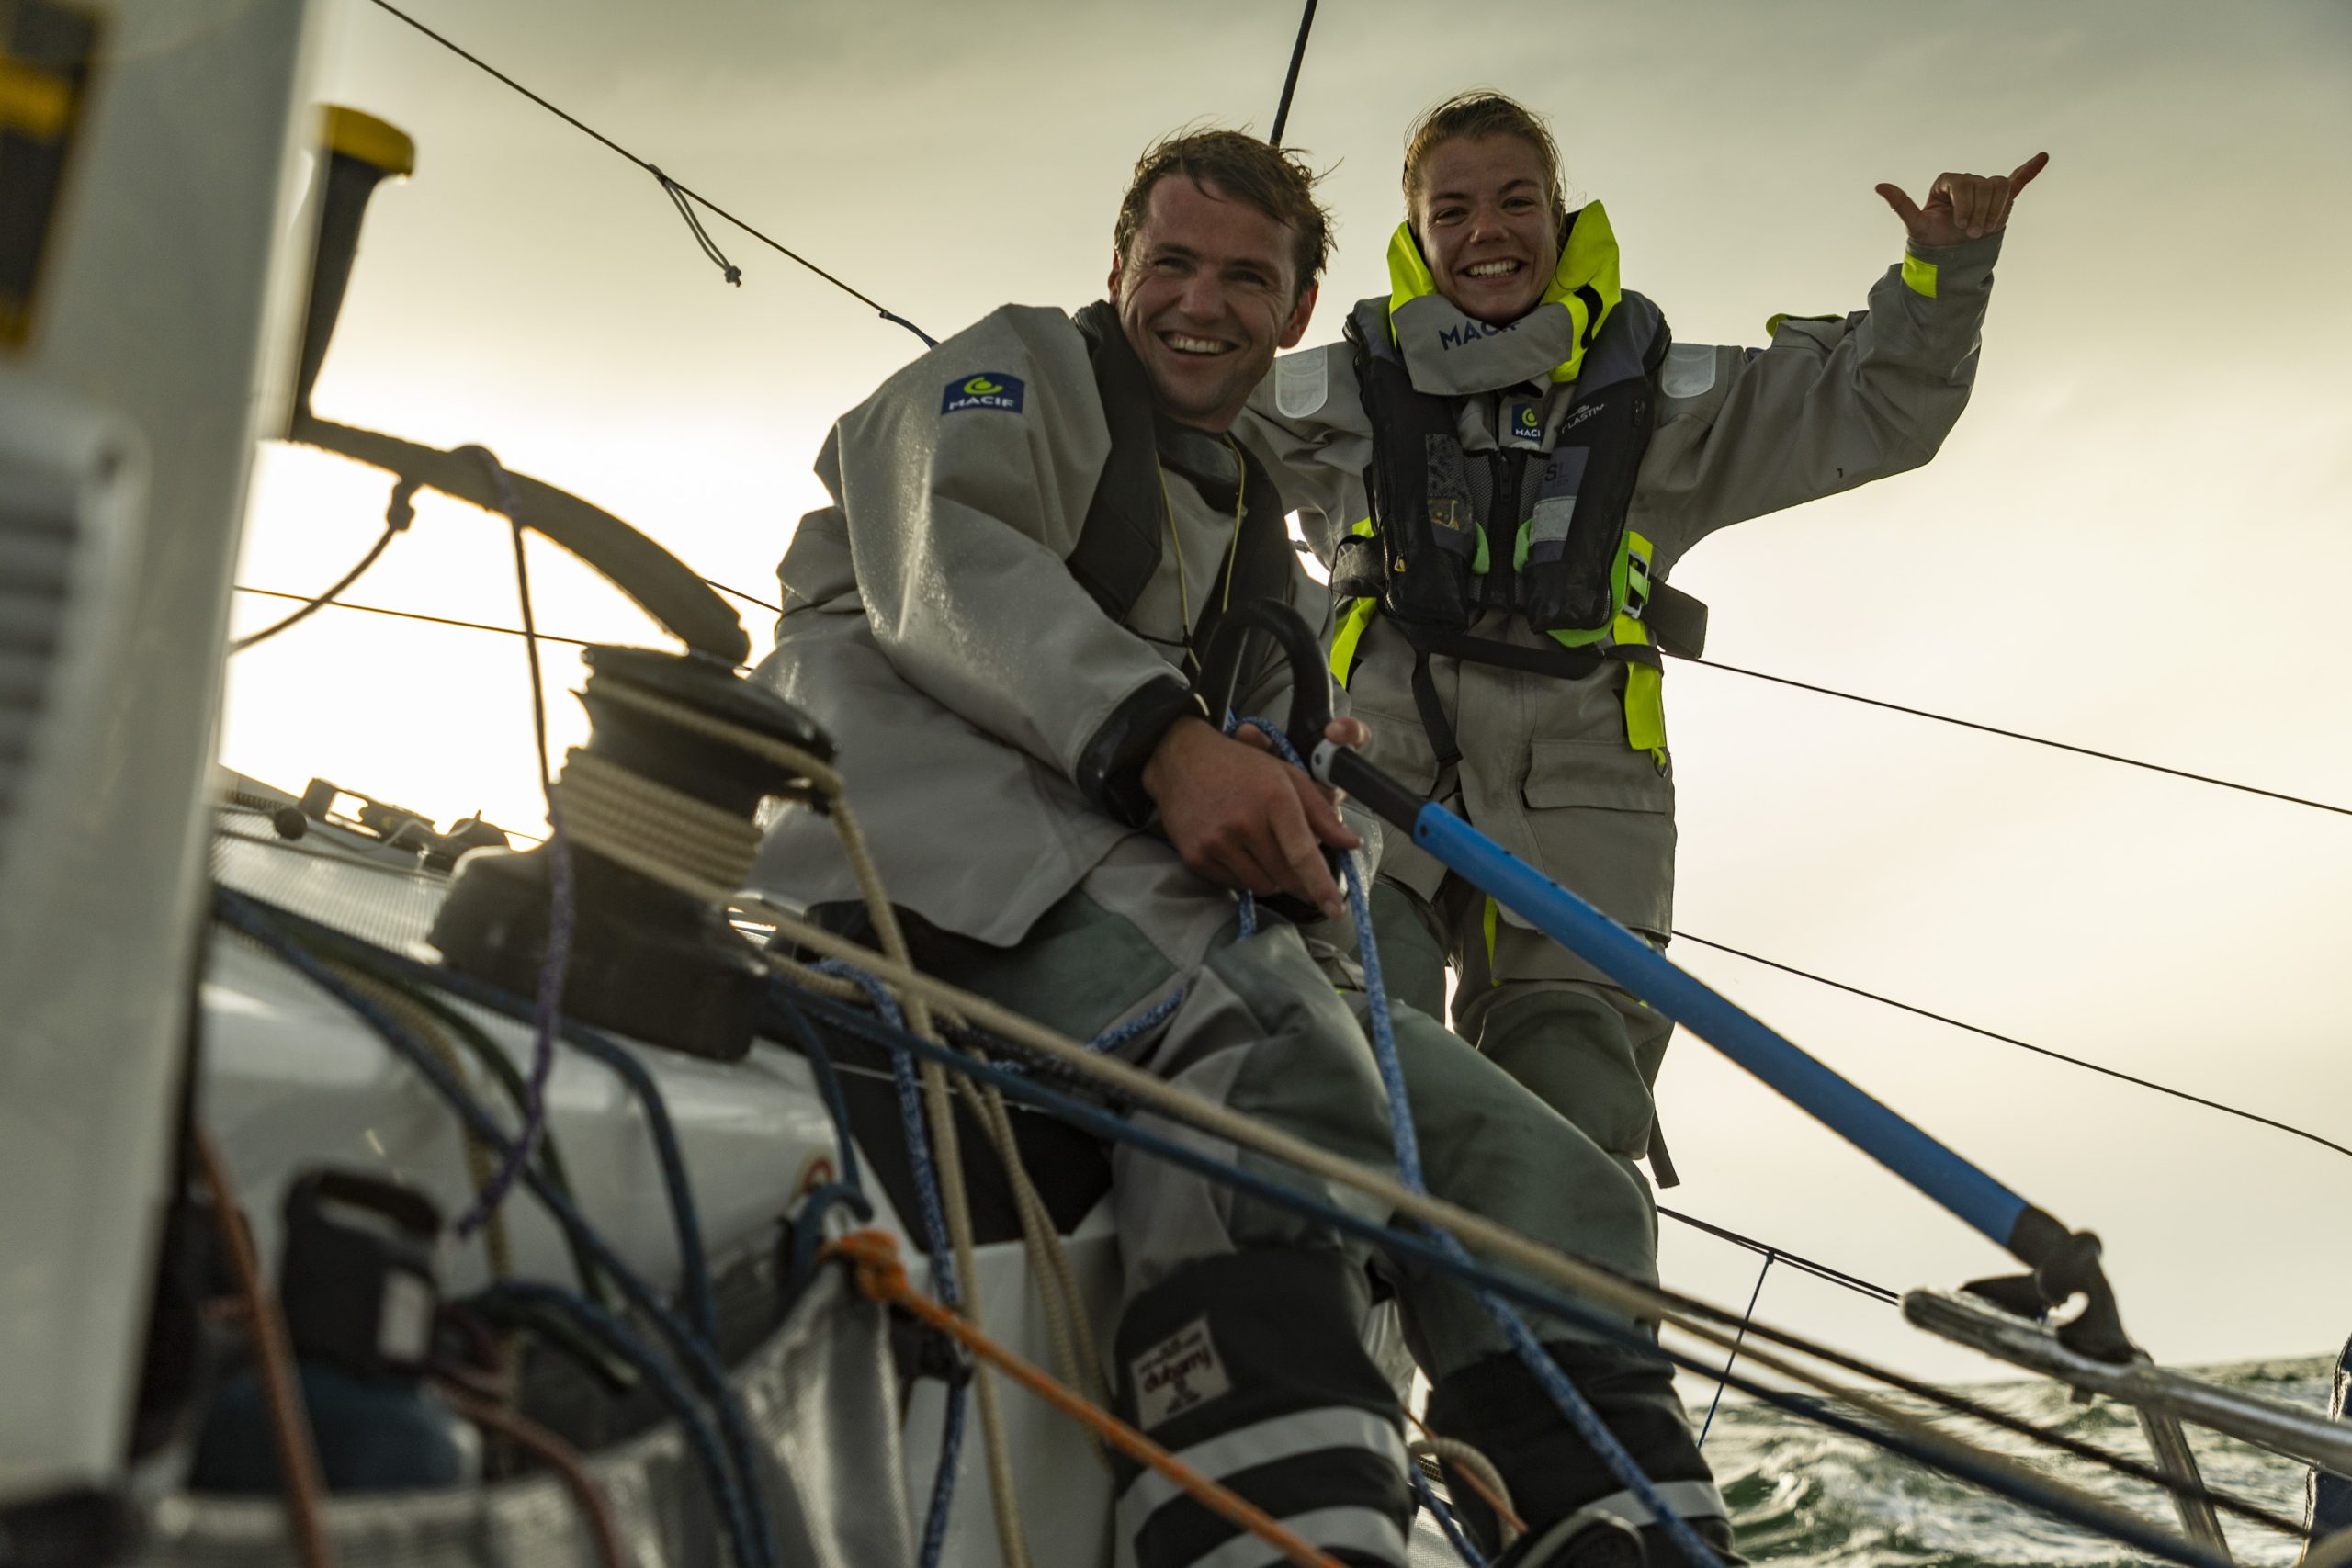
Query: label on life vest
[1180, 1373]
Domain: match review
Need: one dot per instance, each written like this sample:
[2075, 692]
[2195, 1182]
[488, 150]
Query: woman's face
[1483, 216]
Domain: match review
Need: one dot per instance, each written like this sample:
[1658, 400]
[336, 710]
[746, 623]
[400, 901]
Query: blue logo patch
[989, 389]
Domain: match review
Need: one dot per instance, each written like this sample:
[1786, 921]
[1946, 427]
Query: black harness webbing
[1119, 547]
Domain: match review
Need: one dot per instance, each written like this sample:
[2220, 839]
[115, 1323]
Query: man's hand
[1243, 817]
[1962, 207]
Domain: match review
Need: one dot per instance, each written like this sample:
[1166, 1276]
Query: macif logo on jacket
[1452, 338]
[989, 390]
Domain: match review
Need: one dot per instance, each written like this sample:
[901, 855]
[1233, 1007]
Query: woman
[1501, 464]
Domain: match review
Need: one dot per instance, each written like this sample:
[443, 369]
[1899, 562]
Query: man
[1033, 527]
[1541, 452]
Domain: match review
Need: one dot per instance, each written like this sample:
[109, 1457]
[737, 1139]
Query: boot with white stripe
[1577, 1514]
[1251, 1370]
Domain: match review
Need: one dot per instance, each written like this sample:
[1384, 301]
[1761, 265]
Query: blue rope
[1574, 1407]
[943, 1283]
[610, 1328]
[1428, 1499]
[260, 922]
[676, 1184]
[1420, 1249]
[828, 1082]
[1138, 1026]
[1135, 1028]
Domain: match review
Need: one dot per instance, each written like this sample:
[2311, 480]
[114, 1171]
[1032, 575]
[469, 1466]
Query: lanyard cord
[1175, 540]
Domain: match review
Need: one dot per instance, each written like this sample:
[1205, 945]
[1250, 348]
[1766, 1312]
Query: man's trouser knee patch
[1574, 1051]
[1251, 1370]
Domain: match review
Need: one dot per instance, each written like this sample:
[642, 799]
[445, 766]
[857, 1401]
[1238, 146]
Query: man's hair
[1277, 183]
[1478, 113]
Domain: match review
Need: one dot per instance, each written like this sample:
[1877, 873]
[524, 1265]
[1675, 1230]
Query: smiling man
[1001, 619]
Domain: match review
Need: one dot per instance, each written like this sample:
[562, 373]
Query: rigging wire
[419, 615]
[748, 599]
[1860, 1287]
[1748, 1317]
[677, 191]
[1289, 81]
[2022, 1044]
[2031, 739]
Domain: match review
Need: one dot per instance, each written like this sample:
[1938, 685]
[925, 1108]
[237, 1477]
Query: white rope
[1461, 1456]
[606, 806]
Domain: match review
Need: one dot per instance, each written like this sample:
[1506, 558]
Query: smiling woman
[1481, 185]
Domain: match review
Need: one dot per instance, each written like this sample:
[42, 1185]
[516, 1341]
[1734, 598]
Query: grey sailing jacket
[932, 625]
[1740, 432]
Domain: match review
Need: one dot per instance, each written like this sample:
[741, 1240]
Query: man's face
[1206, 295]
[1487, 226]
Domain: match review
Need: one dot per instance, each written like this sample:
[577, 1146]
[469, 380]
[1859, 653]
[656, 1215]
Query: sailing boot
[1577, 1513]
[1251, 1368]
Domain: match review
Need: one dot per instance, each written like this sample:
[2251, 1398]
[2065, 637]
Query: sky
[2138, 540]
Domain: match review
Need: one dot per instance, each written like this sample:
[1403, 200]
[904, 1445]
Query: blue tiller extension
[2063, 1262]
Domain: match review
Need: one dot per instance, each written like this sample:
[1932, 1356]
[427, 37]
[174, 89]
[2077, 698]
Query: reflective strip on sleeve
[1920, 276]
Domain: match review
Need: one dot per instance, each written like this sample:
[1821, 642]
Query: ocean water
[1807, 1497]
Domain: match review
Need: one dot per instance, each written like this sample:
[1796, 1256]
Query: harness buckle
[1637, 583]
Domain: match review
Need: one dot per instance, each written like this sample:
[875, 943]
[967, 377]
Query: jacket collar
[1447, 353]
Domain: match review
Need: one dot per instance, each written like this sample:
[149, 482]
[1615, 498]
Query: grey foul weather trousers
[1241, 1344]
[1587, 1049]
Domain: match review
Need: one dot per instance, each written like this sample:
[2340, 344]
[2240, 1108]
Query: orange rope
[875, 1257]
[290, 1418]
